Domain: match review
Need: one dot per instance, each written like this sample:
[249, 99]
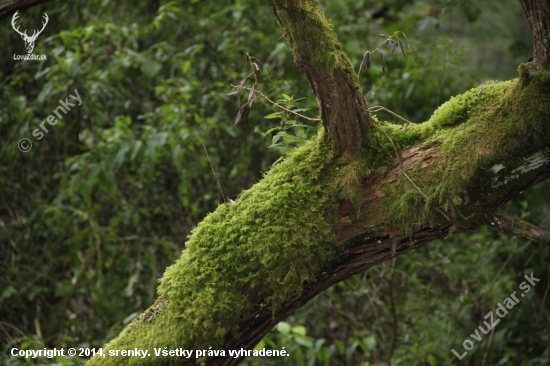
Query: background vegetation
[92, 215]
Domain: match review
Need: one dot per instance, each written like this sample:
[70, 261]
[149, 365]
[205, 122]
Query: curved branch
[519, 227]
[329, 72]
[8, 7]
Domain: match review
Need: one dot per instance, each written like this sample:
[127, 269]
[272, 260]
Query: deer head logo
[29, 40]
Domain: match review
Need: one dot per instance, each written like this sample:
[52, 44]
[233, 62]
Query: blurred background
[91, 216]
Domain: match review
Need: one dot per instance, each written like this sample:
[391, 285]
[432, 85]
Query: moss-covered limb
[246, 257]
[249, 264]
[538, 16]
[329, 71]
[519, 227]
[476, 152]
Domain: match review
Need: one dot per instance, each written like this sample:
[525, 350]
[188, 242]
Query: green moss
[312, 38]
[279, 235]
[348, 179]
[408, 210]
[275, 238]
[470, 133]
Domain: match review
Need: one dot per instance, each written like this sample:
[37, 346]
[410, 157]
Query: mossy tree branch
[252, 263]
[329, 72]
[519, 227]
[298, 231]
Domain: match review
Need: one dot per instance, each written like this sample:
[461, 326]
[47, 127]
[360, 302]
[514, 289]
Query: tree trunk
[316, 219]
[538, 16]
[329, 73]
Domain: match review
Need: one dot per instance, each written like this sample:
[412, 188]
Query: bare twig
[393, 313]
[56, 320]
[547, 288]
[488, 346]
[277, 105]
[392, 42]
[209, 161]
[378, 108]
[415, 186]
[423, 194]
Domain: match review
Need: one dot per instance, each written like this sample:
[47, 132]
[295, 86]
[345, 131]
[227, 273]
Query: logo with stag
[29, 40]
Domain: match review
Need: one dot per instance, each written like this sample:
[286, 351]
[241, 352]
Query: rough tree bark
[452, 173]
[538, 15]
[329, 72]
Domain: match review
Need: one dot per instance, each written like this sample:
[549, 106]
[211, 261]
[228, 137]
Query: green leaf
[135, 150]
[277, 137]
[151, 68]
[67, 38]
[185, 66]
[44, 92]
[300, 330]
[260, 345]
[273, 115]
[287, 97]
[371, 343]
[278, 128]
[283, 327]
[304, 342]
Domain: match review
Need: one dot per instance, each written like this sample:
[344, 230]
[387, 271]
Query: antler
[44, 23]
[13, 24]
[35, 34]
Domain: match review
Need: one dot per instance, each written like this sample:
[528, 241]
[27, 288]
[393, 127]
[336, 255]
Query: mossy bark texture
[329, 72]
[331, 210]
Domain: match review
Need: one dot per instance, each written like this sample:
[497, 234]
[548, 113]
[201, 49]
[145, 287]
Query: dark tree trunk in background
[8, 7]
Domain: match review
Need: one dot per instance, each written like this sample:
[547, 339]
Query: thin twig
[415, 186]
[209, 161]
[56, 320]
[378, 108]
[545, 291]
[372, 53]
[426, 197]
[488, 346]
[444, 77]
[394, 313]
[278, 105]
[496, 277]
